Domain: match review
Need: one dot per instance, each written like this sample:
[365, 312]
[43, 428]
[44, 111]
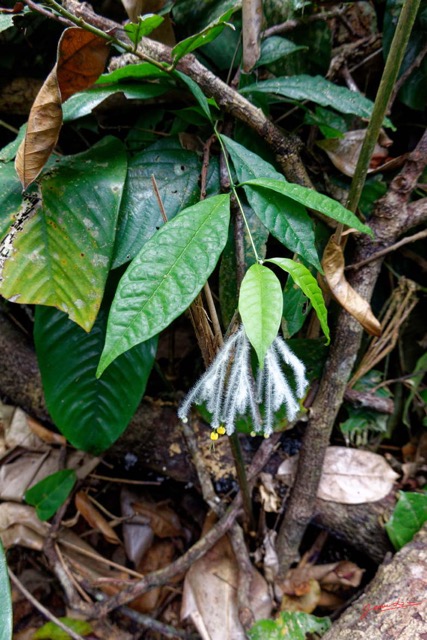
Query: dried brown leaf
[160, 554]
[48, 436]
[164, 522]
[344, 152]
[80, 60]
[94, 518]
[346, 296]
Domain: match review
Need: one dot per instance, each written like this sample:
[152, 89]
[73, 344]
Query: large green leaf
[166, 275]
[313, 200]
[84, 102]
[409, 515]
[6, 21]
[91, 413]
[318, 90]
[50, 493]
[197, 40]
[260, 307]
[285, 218]
[197, 93]
[6, 621]
[177, 173]
[303, 278]
[274, 48]
[295, 308]
[62, 256]
[10, 196]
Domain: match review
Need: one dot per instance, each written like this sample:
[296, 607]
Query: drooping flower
[229, 389]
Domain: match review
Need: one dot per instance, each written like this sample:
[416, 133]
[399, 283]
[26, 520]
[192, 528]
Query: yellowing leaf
[345, 295]
[80, 60]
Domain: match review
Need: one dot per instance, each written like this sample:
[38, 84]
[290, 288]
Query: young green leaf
[51, 631]
[208, 34]
[318, 90]
[313, 200]
[90, 413]
[409, 515]
[166, 275]
[294, 625]
[197, 93]
[50, 493]
[6, 619]
[286, 219]
[67, 245]
[145, 25]
[303, 278]
[260, 307]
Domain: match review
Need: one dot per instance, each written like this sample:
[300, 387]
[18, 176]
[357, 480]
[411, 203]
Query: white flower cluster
[228, 388]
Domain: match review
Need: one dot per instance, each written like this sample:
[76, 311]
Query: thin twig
[405, 75]
[158, 198]
[166, 630]
[289, 25]
[45, 612]
[49, 14]
[417, 236]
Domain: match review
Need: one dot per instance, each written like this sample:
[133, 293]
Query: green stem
[391, 70]
[234, 191]
[79, 22]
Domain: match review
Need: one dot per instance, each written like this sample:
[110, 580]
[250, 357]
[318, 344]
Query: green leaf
[295, 308]
[166, 275]
[303, 278]
[197, 93]
[274, 48]
[318, 90]
[260, 307]
[177, 173]
[313, 200]
[50, 493]
[83, 103]
[145, 25]
[67, 245]
[9, 151]
[409, 515]
[285, 218]
[91, 413]
[415, 382]
[139, 71]
[197, 40]
[6, 618]
[51, 631]
[292, 625]
[10, 196]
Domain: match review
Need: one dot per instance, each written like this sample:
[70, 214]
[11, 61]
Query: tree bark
[400, 583]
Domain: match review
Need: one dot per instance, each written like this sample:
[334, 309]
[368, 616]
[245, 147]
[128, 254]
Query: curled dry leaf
[270, 500]
[345, 295]
[46, 435]
[80, 60]
[137, 536]
[94, 518]
[160, 554]
[163, 521]
[344, 152]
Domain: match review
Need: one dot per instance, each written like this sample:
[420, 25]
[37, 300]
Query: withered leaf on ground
[164, 522]
[94, 518]
[81, 59]
[344, 152]
[333, 266]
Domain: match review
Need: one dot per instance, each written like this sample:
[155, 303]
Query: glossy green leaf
[260, 307]
[303, 278]
[51, 631]
[289, 625]
[6, 21]
[6, 618]
[285, 218]
[145, 25]
[318, 90]
[313, 200]
[409, 515]
[91, 413]
[197, 40]
[166, 275]
[10, 196]
[50, 493]
[274, 48]
[9, 151]
[197, 93]
[177, 173]
[295, 308]
[62, 256]
[83, 103]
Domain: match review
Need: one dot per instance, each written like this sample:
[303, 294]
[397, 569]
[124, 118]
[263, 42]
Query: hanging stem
[385, 90]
